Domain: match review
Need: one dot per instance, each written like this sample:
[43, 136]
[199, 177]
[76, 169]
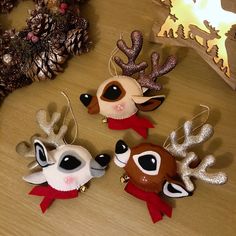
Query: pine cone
[6, 5]
[41, 22]
[46, 64]
[77, 41]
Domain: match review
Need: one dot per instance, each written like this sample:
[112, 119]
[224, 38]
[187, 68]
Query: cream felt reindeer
[119, 98]
[66, 168]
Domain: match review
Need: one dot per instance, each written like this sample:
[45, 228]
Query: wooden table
[105, 209]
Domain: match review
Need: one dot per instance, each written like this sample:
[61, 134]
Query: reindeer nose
[103, 159]
[121, 147]
[86, 99]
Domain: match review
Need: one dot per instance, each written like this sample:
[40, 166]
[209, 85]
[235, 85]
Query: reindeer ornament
[120, 97]
[65, 168]
[151, 169]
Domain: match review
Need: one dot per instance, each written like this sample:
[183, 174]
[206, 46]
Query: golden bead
[104, 120]
[82, 188]
[124, 179]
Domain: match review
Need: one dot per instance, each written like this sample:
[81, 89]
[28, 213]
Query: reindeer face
[150, 167]
[115, 100]
[120, 97]
[69, 166]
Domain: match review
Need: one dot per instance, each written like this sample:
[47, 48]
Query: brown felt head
[150, 166]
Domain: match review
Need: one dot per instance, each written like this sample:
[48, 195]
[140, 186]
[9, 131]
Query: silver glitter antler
[181, 150]
[199, 172]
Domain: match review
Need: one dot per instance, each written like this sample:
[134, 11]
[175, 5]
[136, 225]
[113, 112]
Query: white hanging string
[69, 108]
[206, 110]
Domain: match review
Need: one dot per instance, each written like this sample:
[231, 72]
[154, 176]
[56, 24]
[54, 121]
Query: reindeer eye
[69, 162]
[148, 162]
[112, 92]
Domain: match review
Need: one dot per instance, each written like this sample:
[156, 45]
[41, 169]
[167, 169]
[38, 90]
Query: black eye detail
[112, 92]
[148, 162]
[69, 162]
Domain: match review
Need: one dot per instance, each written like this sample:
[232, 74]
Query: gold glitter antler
[181, 150]
[26, 149]
[56, 139]
[199, 172]
[48, 127]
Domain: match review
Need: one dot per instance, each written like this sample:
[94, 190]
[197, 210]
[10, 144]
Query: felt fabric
[140, 125]
[50, 194]
[156, 206]
[124, 106]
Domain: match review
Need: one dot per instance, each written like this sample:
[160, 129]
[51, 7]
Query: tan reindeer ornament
[120, 98]
[65, 168]
[151, 169]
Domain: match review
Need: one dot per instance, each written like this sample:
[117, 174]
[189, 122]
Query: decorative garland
[54, 31]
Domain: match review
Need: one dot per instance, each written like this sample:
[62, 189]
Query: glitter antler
[148, 80]
[130, 68]
[55, 139]
[199, 172]
[48, 127]
[181, 150]
[132, 53]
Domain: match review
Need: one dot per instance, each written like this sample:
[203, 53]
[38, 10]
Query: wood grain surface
[105, 209]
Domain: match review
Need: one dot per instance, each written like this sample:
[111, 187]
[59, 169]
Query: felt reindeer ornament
[151, 169]
[66, 168]
[120, 98]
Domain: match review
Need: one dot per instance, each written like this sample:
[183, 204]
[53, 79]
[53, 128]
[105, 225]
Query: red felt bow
[140, 125]
[156, 206]
[50, 194]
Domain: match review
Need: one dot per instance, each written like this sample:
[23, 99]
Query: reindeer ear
[148, 103]
[174, 190]
[35, 178]
[41, 154]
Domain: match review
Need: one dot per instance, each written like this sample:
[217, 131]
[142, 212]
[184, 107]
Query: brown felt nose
[91, 102]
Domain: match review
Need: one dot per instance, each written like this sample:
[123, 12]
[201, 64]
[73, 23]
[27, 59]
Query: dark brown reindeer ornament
[119, 98]
[151, 169]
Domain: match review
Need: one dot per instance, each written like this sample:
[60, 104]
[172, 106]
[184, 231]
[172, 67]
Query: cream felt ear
[141, 99]
[35, 178]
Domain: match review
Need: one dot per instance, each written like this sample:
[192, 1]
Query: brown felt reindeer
[151, 169]
[119, 98]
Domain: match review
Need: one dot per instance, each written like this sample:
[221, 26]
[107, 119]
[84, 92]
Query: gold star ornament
[203, 25]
